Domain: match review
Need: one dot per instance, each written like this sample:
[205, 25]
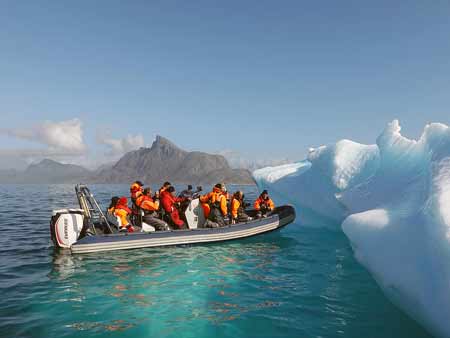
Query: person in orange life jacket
[228, 196]
[135, 192]
[169, 201]
[209, 198]
[263, 205]
[237, 207]
[150, 208]
[136, 189]
[218, 205]
[122, 211]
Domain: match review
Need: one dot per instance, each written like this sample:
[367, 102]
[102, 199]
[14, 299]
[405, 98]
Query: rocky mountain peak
[163, 161]
[162, 142]
[166, 161]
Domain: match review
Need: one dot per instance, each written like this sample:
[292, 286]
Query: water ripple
[300, 282]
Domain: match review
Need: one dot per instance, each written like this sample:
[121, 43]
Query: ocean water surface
[297, 282]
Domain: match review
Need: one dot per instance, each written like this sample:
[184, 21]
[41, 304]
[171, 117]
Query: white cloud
[120, 146]
[60, 141]
[65, 137]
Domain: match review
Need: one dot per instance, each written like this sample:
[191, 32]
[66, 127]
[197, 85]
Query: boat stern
[66, 226]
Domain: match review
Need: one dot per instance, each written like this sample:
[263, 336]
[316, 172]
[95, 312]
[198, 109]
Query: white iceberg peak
[392, 200]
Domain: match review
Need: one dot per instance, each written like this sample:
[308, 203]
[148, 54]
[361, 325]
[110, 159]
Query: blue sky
[267, 79]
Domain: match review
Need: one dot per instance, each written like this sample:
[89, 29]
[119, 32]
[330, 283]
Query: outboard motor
[66, 226]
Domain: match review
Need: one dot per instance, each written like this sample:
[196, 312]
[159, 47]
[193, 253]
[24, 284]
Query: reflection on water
[299, 282]
[170, 288]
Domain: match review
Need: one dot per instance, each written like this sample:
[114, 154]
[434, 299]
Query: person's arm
[271, 204]
[139, 200]
[223, 205]
[179, 199]
[204, 198]
[234, 208]
[257, 204]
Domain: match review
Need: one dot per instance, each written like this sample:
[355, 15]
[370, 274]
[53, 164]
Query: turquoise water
[297, 282]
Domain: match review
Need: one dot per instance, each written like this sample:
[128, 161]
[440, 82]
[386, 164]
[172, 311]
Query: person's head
[123, 201]
[147, 191]
[171, 189]
[189, 187]
[238, 195]
[264, 194]
[136, 187]
[166, 184]
[113, 202]
[218, 187]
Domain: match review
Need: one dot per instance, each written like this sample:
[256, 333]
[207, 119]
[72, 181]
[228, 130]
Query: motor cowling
[66, 226]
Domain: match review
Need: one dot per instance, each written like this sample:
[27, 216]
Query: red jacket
[167, 201]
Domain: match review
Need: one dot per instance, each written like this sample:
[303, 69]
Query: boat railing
[92, 210]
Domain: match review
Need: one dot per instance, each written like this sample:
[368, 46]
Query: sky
[86, 81]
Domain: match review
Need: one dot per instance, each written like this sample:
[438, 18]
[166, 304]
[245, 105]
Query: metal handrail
[90, 206]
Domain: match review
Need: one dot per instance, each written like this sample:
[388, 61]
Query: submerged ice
[392, 200]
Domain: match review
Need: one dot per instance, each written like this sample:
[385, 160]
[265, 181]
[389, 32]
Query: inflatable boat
[88, 229]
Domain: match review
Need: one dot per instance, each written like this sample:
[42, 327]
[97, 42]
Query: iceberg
[314, 184]
[392, 201]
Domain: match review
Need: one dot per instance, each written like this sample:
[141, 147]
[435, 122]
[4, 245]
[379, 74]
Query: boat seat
[144, 226]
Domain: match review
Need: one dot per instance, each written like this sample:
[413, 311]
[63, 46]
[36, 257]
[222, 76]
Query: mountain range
[163, 161]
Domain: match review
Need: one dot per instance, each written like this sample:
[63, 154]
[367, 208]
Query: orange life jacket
[122, 211]
[235, 204]
[268, 204]
[139, 200]
[146, 202]
[215, 198]
[123, 207]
